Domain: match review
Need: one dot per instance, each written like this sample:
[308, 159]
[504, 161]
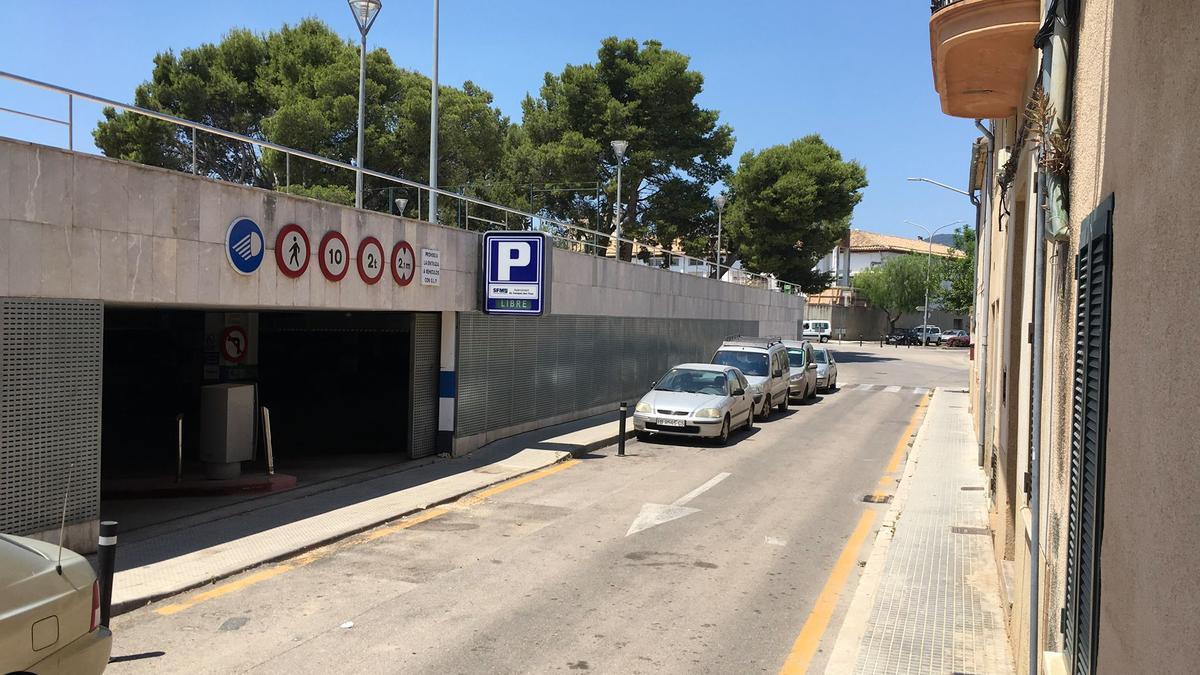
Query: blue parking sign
[515, 273]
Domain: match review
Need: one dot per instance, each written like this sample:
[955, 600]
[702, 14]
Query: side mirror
[812, 366]
[739, 392]
[778, 373]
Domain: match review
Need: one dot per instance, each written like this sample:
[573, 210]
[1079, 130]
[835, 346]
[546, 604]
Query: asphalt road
[542, 575]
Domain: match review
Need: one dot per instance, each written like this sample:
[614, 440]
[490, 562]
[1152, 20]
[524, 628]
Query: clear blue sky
[856, 73]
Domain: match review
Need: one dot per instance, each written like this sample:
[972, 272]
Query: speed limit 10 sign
[334, 256]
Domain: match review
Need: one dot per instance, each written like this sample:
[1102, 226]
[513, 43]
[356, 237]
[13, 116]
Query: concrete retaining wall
[81, 226]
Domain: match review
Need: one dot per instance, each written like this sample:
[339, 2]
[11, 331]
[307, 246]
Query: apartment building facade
[1085, 318]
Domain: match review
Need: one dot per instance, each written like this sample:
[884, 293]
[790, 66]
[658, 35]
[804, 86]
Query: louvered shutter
[1088, 433]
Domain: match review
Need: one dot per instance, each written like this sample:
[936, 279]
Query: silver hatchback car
[696, 399]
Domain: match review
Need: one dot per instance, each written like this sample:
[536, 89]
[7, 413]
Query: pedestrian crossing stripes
[884, 388]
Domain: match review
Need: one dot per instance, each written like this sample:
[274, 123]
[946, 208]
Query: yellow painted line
[471, 500]
[809, 639]
[902, 444]
[806, 643]
[371, 535]
[380, 532]
[224, 589]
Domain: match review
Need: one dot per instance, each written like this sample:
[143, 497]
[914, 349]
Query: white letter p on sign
[512, 254]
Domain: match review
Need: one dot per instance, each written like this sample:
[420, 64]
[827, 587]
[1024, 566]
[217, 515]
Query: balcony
[981, 51]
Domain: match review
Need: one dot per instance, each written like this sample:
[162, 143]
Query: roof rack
[751, 341]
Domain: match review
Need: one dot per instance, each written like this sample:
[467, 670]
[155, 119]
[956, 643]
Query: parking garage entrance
[345, 391]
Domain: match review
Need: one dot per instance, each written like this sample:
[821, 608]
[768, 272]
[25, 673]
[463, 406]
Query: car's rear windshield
[750, 363]
[693, 381]
[820, 356]
[796, 358]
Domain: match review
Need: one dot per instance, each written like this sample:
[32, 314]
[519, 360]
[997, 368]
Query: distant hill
[944, 238]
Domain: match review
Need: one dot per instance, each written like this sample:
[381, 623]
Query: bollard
[179, 457]
[266, 416]
[106, 559]
[621, 433]
[860, 339]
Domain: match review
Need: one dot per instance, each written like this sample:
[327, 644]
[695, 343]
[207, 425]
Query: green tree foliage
[790, 205]
[897, 286]
[956, 293]
[298, 87]
[643, 94]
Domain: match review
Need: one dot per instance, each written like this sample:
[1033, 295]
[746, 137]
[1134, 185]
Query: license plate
[667, 422]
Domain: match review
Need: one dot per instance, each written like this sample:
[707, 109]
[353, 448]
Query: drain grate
[971, 488]
[877, 499]
[957, 529]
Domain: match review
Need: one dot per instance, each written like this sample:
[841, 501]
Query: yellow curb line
[369, 536]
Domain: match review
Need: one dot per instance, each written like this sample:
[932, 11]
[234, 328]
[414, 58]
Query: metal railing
[570, 236]
[937, 5]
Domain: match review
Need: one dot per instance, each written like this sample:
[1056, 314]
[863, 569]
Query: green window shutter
[1088, 432]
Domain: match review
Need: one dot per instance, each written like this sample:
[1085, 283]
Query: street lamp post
[433, 120]
[720, 202]
[941, 185]
[364, 12]
[619, 148]
[928, 266]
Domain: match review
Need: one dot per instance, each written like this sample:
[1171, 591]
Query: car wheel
[824, 338]
[750, 421]
[723, 439]
[833, 384]
[783, 405]
[642, 436]
[767, 405]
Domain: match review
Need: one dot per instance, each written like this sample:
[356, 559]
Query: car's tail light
[95, 606]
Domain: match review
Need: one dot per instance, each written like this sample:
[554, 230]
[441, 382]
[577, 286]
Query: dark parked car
[902, 336]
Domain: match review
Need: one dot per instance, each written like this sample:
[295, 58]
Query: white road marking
[657, 514]
[712, 482]
[920, 390]
[776, 541]
[866, 387]
[892, 389]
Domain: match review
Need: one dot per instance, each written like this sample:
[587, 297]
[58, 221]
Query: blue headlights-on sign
[515, 273]
[244, 245]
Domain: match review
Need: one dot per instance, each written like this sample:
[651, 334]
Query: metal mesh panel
[50, 370]
[513, 370]
[471, 409]
[427, 340]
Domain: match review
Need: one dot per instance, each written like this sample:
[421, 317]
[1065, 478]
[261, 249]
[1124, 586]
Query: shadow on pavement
[136, 657]
[204, 528]
[845, 356]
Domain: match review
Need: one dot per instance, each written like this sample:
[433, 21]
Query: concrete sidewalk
[929, 600]
[190, 556]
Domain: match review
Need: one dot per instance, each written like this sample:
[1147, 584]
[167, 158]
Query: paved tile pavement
[934, 607]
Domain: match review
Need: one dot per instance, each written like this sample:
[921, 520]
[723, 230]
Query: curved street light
[941, 185]
[928, 265]
[364, 12]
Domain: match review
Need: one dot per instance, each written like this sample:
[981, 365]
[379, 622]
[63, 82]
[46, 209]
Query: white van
[764, 362]
[817, 330]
